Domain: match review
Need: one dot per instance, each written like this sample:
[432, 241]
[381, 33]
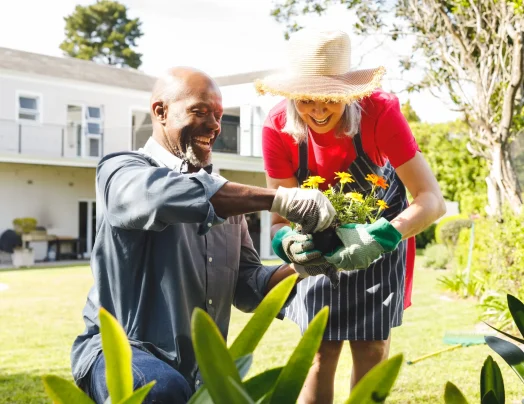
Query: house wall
[56, 95]
[50, 194]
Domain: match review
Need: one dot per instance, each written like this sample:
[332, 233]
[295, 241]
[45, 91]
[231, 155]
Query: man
[171, 237]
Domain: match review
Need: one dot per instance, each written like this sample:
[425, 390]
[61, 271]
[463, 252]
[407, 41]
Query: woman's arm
[428, 203]
[277, 221]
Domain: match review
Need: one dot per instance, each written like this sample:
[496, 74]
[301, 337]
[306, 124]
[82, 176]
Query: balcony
[73, 145]
[48, 144]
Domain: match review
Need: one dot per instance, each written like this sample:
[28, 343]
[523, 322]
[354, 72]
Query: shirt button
[197, 382]
[210, 301]
[210, 259]
[209, 225]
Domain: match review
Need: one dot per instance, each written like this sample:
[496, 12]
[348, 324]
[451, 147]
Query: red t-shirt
[385, 135]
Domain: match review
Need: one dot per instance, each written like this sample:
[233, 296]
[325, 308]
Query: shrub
[437, 256]
[24, 225]
[497, 262]
[426, 237]
[448, 229]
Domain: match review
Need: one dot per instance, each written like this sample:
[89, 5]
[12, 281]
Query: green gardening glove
[294, 247]
[363, 244]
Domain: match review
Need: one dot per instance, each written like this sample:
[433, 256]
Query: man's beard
[191, 157]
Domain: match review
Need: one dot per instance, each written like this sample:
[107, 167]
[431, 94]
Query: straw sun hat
[319, 70]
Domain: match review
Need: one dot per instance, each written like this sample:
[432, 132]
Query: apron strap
[303, 172]
[357, 143]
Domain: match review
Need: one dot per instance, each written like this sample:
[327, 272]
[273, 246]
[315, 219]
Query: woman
[348, 124]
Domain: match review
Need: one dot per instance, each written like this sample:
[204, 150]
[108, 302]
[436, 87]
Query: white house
[58, 116]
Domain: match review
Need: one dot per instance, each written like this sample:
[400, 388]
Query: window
[141, 128]
[29, 108]
[94, 131]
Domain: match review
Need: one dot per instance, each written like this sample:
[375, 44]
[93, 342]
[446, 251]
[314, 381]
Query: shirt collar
[164, 158]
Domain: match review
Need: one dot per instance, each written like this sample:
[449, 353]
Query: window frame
[39, 105]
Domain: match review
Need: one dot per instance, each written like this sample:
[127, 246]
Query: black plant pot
[327, 241]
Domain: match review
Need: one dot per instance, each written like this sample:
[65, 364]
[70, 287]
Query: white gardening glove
[307, 207]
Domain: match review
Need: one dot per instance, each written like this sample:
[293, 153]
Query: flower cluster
[352, 207]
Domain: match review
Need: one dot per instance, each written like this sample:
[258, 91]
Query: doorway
[86, 226]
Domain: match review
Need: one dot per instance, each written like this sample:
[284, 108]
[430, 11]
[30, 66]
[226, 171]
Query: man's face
[192, 123]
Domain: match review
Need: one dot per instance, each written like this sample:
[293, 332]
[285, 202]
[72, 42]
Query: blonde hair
[348, 125]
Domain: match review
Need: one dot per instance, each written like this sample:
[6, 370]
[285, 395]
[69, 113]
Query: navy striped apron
[367, 303]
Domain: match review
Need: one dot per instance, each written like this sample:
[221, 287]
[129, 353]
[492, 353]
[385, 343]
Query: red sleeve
[277, 162]
[393, 135]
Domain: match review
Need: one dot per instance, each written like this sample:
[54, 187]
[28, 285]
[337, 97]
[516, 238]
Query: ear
[159, 111]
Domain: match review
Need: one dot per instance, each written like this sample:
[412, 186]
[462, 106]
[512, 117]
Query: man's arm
[237, 199]
[254, 279]
[137, 195]
[140, 196]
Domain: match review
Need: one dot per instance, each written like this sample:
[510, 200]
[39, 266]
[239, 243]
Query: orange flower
[377, 181]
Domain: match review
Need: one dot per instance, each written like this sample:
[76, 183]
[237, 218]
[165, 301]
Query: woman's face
[320, 116]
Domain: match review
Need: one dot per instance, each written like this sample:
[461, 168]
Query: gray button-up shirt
[161, 251]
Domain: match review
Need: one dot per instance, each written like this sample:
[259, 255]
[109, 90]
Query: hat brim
[347, 88]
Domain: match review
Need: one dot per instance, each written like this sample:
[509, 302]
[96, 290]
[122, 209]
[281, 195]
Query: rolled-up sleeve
[137, 195]
[253, 277]
[211, 184]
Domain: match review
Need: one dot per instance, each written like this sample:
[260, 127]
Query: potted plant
[23, 256]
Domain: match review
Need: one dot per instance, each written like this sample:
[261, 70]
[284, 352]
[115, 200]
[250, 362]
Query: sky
[220, 37]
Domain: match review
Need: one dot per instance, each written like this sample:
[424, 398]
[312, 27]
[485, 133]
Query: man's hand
[363, 244]
[307, 207]
[293, 247]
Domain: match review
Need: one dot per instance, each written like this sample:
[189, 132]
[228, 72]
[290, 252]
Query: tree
[409, 113]
[460, 175]
[472, 49]
[102, 32]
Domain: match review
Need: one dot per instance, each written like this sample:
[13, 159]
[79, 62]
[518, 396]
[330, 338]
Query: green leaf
[289, 383]
[453, 395]
[375, 386]
[519, 340]
[491, 381]
[117, 354]
[258, 386]
[139, 395]
[202, 395]
[265, 313]
[243, 364]
[516, 308]
[490, 398]
[215, 363]
[242, 393]
[512, 354]
[63, 391]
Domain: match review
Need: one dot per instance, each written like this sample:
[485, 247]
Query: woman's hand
[363, 244]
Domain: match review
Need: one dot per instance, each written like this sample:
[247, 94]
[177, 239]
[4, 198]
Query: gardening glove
[299, 249]
[294, 247]
[363, 244]
[324, 268]
[307, 207]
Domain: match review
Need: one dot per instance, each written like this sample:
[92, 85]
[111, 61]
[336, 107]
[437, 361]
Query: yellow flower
[355, 196]
[377, 181]
[345, 178]
[313, 182]
[382, 205]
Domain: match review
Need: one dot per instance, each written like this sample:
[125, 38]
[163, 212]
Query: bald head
[181, 82]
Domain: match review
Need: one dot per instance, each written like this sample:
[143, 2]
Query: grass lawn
[40, 314]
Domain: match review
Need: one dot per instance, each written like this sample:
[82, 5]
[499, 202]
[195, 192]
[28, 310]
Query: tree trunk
[503, 184]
